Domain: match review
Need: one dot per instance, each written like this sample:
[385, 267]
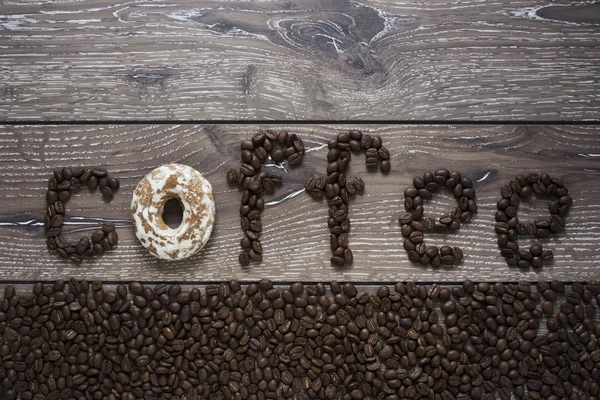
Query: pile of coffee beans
[83, 340]
[337, 188]
[413, 225]
[59, 192]
[508, 226]
[279, 146]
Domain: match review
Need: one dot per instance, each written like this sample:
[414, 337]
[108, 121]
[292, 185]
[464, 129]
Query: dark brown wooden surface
[295, 239]
[310, 59]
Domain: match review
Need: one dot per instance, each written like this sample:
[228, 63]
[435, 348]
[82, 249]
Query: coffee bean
[64, 196]
[47, 219]
[64, 185]
[232, 174]
[56, 221]
[416, 237]
[107, 192]
[457, 253]
[383, 153]
[51, 196]
[244, 259]
[414, 257]
[385, 166]
[295, 159]
[113, 238]
[82, 245]
[246, 169]
[53, 232]
[85, 175]
[97, 236]
[338, 261]
[99, 172]
[547, 255]
[448, 260]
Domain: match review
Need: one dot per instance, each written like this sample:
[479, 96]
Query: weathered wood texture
[311, 59]
[295, 239]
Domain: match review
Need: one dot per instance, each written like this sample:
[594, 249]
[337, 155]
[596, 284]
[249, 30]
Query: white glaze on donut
[195, 194]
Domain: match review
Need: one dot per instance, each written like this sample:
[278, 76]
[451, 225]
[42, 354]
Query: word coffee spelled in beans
[338, 189]
[413, 225]
[509, 227]
[81, 340]
[59, 192]
[279, 146]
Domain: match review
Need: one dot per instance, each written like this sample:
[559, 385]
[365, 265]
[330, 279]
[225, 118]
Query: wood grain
[295, 238]
[309, 59]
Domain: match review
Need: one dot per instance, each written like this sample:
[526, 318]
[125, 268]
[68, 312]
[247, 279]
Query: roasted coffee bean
[99, 172]
[113, 238]
[448, 260]
[113, 183]
[82, 246]
[338, 261]
[295, 159]
[107, 192]
[56, 221]
[102, 182]
[457, 253]
[52, 183]
[510, 357]
[244, 258]
[232, 175]
[64, 196]
[98, 235]
[385, 166]
[51, 196]
[416, 237]
[64, 185]
[246, 169]
[86, 175]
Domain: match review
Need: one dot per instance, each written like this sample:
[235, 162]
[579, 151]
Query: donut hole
[172, 213]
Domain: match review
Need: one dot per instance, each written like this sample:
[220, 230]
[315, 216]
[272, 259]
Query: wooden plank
[310, 59]
[295, 239]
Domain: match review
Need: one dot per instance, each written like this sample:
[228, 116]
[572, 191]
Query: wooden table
[489, 89]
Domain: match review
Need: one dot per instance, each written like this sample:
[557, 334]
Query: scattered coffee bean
[476, 340]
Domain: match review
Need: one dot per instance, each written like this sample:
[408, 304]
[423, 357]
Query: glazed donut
[194, 193]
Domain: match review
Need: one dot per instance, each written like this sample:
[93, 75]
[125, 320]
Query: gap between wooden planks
[295, 238]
